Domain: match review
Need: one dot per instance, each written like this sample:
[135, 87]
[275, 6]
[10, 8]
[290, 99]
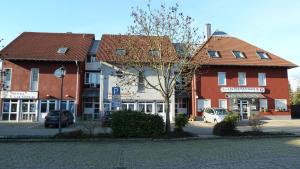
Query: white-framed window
[107, 106]
[7, 78]
[242, 78]
[221, 78]
[262, 80]
[263, 104]
[223, 103]
[145, 107]
[141, 82]
[127, 106]
[203, 103]
[91, 59]
[34, 79]
[154, 52]
[280, 104]
[48, 105]
[160, 107]
[239, 54]
[213, 54]
[92, 78]
[68, 105]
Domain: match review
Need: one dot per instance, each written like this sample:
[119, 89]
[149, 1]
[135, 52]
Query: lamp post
[60, 73]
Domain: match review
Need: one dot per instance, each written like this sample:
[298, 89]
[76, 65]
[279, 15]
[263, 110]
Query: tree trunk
[167, 111]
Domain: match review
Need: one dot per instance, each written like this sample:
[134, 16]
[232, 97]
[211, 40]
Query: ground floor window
[203, 103]
[10, 109]
[263, 104]
[29, 110]
[160, 107]
[280, 104]
[91, 108]
[223, 103]
[48, 105]
[127, 106]
[145, 107]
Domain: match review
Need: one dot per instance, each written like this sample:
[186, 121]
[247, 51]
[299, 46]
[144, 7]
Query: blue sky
[270, 24]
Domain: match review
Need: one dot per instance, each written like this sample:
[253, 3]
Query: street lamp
[60, 73]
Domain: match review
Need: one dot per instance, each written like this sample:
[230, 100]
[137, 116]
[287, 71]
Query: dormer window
[262, 55]
[120, 52]
[239, 54]
[62, 50]
[154, 52]
[213, 54]
[91, 59]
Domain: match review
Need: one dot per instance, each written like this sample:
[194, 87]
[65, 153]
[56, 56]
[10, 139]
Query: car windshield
[53, 113]
[221, 111]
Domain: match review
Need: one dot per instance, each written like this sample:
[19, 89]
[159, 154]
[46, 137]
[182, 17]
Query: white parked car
[214, 115]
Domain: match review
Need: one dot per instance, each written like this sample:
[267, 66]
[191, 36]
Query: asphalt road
[273, 153]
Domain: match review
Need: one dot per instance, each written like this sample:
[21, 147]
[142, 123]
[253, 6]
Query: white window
[159, 107]
[221, 78]
[280, 104]
[263, 104]
[34, 79]
[223, 103]
[92, 78]
[262, 79]
[91, 59]
[127, 106]
[203, 103]
[7, 79]
[213, 54]
[145, 107]
[154, 52]
[262, 55]
[242, 79]
[141, 82]
[48, 105]
[238, 54]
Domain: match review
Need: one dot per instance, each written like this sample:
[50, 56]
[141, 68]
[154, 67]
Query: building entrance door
[244, 109]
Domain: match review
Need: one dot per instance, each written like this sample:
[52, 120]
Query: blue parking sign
[116, 91]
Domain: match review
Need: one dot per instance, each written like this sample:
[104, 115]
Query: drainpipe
[195, 95]
[101, 105]
[77, 88]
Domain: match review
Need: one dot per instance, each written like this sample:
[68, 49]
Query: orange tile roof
[226, 44]
[44, 46]
[140, 53]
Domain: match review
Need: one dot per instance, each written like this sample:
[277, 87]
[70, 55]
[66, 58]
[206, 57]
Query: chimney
[207, 31]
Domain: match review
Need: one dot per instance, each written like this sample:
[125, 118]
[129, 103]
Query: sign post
[116, 97]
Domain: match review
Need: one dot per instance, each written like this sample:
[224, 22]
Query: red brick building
[240, 77]
[30, 88]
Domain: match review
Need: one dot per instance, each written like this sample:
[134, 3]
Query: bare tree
[162, 41]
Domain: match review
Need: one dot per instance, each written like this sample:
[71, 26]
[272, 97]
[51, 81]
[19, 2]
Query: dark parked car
[106, 119]
[51, 118]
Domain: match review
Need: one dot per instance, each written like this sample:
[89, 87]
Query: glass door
[244, 109]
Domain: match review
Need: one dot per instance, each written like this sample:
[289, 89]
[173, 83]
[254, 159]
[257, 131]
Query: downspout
[77, 88]
[101, 105]
[195, 95]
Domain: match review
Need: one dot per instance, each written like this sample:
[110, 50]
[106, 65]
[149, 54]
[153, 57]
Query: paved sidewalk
[290, 126]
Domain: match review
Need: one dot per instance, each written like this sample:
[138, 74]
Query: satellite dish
[60, 72]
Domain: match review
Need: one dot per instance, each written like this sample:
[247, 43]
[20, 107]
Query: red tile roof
[44, 46]
[137, 48]
[226, 44]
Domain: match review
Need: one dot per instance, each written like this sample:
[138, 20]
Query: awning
[91, 93]
[244, 95]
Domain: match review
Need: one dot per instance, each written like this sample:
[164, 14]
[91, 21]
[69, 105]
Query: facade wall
[48, 84]
[276, 84]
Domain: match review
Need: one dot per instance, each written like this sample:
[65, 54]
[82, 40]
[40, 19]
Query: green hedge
[227, 127]
[127, 123]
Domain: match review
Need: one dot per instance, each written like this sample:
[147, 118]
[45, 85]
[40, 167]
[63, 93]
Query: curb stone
[35, 139]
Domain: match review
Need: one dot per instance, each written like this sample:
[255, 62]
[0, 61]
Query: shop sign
[243, 89]
[18, 95]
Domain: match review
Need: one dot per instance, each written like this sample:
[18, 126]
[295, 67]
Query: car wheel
[204, 119]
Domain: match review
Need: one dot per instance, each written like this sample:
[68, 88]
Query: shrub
[255, 122]
[228, 126]
[127, 123]
[180, 121]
